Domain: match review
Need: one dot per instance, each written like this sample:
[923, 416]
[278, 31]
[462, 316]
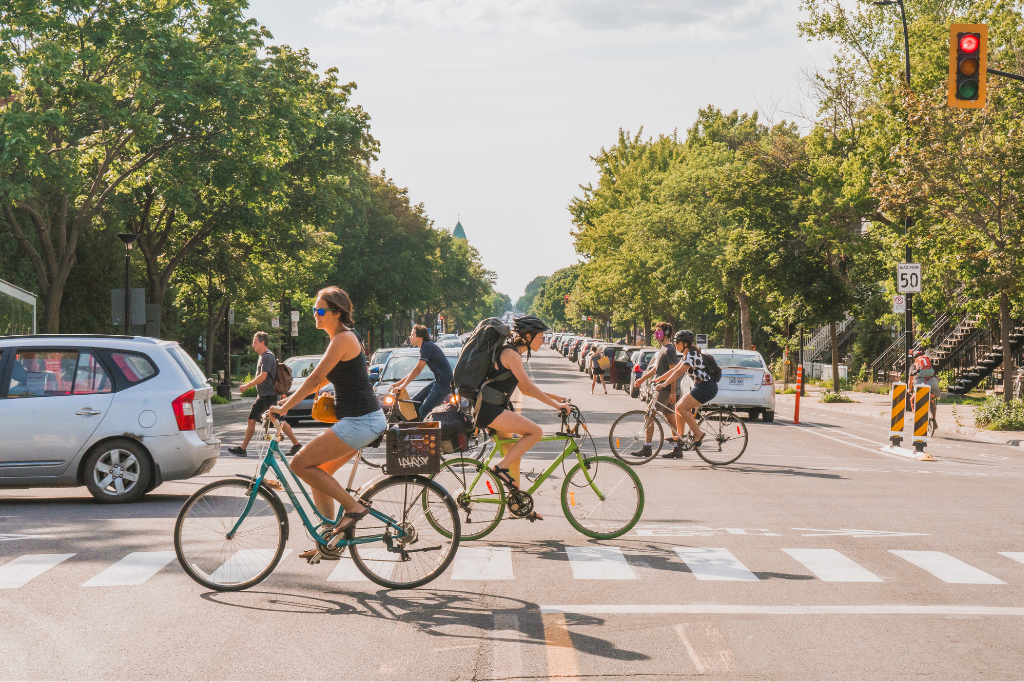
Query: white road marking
[946, 568]
[1016, 556]
[483, 563]
[7, 537]
[599, 563]
[855, 533]
[832, 566]
[19, 571]
[757, 609]
[346, 572]
[506, 640]
[706, 647]
[134, 569]
[714, 563]
[244, 565]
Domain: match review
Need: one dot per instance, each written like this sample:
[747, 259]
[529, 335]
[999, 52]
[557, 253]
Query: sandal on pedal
[505, 477]
[343, 527]
[697, 442]
[326, 556]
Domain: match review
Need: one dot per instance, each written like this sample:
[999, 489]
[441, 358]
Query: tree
[525, 302]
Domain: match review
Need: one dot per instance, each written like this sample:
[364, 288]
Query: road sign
[908, 278]
[295, 316]
[231, 315]
[701, 340]
[295, 327]
[275, 322]
[899, 303]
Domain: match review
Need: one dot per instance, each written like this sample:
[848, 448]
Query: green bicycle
[601, 497]
[231, 534]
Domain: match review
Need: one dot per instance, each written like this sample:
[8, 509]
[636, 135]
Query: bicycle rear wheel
[423, 552]
[725, 437]
[602, 497]
[245, 559]
[629, 433]
[481, 506]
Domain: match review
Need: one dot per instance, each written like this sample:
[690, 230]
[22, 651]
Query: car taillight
[768, 381]
[183, 411]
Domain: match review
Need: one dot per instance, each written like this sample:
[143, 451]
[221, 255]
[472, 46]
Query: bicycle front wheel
[422, 553]
[629, 433]
[725, 437]
[217, 561]
[602, 497]
[480, 501]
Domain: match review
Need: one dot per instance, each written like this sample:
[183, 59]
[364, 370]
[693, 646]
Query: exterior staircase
[821, 339]
[986, 364]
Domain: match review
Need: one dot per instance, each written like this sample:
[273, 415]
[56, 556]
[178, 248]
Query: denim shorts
[704, 391]
[358, 432]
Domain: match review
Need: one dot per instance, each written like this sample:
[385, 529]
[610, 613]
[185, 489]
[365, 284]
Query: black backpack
[456, 427]
[711, 366]
[479, 354]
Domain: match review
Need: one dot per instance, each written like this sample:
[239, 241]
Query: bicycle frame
[269, 462]
[570, 447]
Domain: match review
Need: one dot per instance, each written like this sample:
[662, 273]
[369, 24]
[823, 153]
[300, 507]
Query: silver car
[119, 415]
[746, 384]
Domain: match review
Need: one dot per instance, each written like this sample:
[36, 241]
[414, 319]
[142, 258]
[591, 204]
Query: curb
[1008, 438]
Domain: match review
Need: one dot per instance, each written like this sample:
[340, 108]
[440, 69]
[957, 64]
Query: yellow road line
[558, 643]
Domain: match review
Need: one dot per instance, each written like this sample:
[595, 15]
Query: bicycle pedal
[315, 559]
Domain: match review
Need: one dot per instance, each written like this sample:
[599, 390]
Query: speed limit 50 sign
[908, 278]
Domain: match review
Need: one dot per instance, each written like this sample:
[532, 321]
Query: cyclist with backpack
[493, 390]
[705, 374]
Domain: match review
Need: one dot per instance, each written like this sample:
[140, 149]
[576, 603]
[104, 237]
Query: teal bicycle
[231, 534]
[602, 497]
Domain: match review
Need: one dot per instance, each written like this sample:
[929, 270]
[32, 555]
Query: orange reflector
[572, 498]
[489, 488]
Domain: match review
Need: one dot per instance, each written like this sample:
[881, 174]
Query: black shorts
[262, 404]
[704, 391]
[665, 404]
[489, 412]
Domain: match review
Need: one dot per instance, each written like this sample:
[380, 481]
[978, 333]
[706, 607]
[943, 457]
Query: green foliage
[218, 400]
[997, 415]
[830, 396]
[525, 302]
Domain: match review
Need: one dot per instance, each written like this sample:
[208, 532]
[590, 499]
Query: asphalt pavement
[815, 556]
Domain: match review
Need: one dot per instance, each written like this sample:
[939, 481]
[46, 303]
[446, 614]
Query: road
[815, 556]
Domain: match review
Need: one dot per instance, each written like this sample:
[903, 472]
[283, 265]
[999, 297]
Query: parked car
[401, 363]
[640, 360]
[563, 343]
[301, 366]
[583, 352]
[119, 415]
[451, 343]
[574, 348]
[622, 367]
[746, 384]
[381, 355]
[555, 338]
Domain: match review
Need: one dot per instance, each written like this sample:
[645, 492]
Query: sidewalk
[238, 409]
[878, 406]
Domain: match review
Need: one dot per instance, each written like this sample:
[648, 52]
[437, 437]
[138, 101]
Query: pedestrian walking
[266, 396]
[596, 371]
[434, 393]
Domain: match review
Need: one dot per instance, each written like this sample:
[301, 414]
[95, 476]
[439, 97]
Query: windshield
[398, 368]
[380, 357]
[188, 366]
[301, 367]
[742, 360]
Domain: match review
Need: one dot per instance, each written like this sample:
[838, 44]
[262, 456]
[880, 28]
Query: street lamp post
[908, 334]
[128, 238]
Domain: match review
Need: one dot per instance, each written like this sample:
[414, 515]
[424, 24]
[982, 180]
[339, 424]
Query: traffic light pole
[1005, 74]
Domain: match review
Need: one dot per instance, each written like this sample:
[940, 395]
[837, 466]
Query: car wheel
[118, 471]
[768, 416]
[752, 414]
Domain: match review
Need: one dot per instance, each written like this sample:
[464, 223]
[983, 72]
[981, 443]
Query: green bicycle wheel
[481, 506]
[602, 497]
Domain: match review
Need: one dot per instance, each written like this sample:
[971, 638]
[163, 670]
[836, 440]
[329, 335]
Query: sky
[488, 111]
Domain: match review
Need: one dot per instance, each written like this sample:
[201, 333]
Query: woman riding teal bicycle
[360, 418]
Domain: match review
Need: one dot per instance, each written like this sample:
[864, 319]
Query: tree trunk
[834, 340]
[647, 329]
[1005, 328]
[744, 303]
[729, 335]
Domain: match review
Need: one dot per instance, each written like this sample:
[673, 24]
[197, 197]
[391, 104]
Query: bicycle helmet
[684, 336]
[527, 324]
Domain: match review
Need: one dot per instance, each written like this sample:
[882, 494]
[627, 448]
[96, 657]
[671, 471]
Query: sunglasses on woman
[320, 312]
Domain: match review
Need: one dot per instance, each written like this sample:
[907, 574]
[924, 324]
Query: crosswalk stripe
[346, 572]
[713, 563]
[134, 569]
[483, 563]
[377, 559]
[244, 565]
[599, 563]
[1016, 556]
[832, 566]
[946, 568]
[17, 572]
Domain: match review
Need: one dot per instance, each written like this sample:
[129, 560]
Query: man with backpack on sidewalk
[272, 381]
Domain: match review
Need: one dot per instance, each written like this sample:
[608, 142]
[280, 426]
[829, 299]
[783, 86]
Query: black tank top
[506, 386]
[353, 394]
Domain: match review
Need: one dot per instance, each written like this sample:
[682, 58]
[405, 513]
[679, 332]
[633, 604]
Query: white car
[119, 415]
[746, 384]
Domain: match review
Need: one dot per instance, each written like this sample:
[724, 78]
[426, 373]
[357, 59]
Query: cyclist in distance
[691, 360]
[659, 366]
[360, 417]
[923, 372]
[496, 411]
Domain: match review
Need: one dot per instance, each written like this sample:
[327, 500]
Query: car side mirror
[374, 374]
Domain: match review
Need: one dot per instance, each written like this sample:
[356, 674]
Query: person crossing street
[266, 372]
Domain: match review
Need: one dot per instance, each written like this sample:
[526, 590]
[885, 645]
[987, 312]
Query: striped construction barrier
[922, 412]
[899, 406]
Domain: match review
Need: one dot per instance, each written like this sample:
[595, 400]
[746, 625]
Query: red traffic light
[567, 297]
[969, 43]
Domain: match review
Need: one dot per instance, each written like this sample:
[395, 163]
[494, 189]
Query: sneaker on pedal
[644, 451]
